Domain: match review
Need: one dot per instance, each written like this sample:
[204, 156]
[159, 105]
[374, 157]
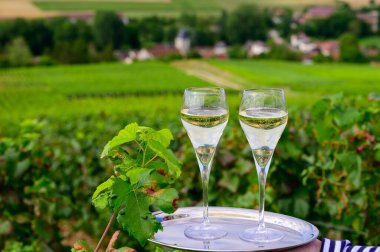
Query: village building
[256, 48]
[220, 50]
[371, 18]
[317, 12]
[182, 42]
[275, 37]
[302, 42]
[329, 49]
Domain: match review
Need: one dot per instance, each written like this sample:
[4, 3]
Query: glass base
[205, 233]
[265, 236]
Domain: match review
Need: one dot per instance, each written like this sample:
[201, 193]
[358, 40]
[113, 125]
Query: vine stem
[105, 231]
[150, 160]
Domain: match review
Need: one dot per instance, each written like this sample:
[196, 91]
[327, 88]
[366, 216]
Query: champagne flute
[263, 116]
[204, 115]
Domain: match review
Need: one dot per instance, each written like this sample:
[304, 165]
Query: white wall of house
[182, 45]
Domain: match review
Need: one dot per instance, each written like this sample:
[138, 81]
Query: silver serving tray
[296, 231]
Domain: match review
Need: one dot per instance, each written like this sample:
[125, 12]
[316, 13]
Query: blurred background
[73, 73]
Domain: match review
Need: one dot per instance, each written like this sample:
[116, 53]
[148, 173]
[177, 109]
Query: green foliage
[370, 42]
[349, 49]
[108, 29]
[46, 60]
[142, 177]
[311, 81]
[67, 91]
[172, 56]
[19, 53]
[237, 52]
[16, 246]
[247, 22]
[328, 155]
[75, 52]
[285, 25]
[331, 27]
[282, 52]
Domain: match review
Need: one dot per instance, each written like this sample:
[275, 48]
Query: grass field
[308, 79]
[370, 41]
[175, 7]
[154, 89]
[66, 91]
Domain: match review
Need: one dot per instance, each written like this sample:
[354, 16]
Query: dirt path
[211, 74]
[10, 9]
[22, 8]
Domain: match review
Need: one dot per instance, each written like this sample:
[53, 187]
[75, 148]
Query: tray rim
[314, 228]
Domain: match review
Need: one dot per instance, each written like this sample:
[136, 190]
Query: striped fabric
[345, 246]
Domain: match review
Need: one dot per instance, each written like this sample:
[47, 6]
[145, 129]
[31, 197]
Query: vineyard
[56, 120]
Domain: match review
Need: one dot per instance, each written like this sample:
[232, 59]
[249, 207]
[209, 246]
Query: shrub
[349, 49]
[19, 53]
[237, 52]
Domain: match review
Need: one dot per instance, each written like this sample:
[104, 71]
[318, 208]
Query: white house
[256, 48]
[302, 42]
[144, 54]
[182, 41]
[275, 36]
[220, 49]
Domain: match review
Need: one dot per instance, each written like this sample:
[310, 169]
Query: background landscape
[73, 73]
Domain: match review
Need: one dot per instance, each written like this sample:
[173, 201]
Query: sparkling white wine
[204, 127]
[263, 128]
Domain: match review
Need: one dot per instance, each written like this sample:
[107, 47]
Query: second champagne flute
[263, 116]
[204, 115]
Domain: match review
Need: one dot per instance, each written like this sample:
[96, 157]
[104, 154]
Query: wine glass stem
[205, 179]
[262, 181]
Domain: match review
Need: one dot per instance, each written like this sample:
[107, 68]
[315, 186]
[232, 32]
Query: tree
[333, 26]
[108, 30]
[359, 28]
[131, 35]
[75, 52]
[349, 48]
[285, 26]
[19, 53]
[64, 30]
[38, 36]
[151, 30]
[246, 23]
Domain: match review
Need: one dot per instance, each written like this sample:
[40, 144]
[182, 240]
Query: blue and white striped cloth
[345, 246]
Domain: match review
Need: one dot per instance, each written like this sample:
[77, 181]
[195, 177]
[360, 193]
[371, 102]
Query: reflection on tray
[174, 217]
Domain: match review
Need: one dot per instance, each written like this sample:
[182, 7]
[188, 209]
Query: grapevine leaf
[103, 186]
[135, 216]
[126, 165]
[160, 173]
[352, 163]
[101, 201]
[137, 174]
[81, 246]
[163, 136]
[120, 190]
[167, 155]
[165, 199]
[125, 135]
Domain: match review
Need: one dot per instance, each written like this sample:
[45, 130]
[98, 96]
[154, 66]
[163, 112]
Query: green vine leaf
[167, 155]
[138, 174]
[134, 216]
[126, 135]
[103, 186]
[164, 199]
[144, 167]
